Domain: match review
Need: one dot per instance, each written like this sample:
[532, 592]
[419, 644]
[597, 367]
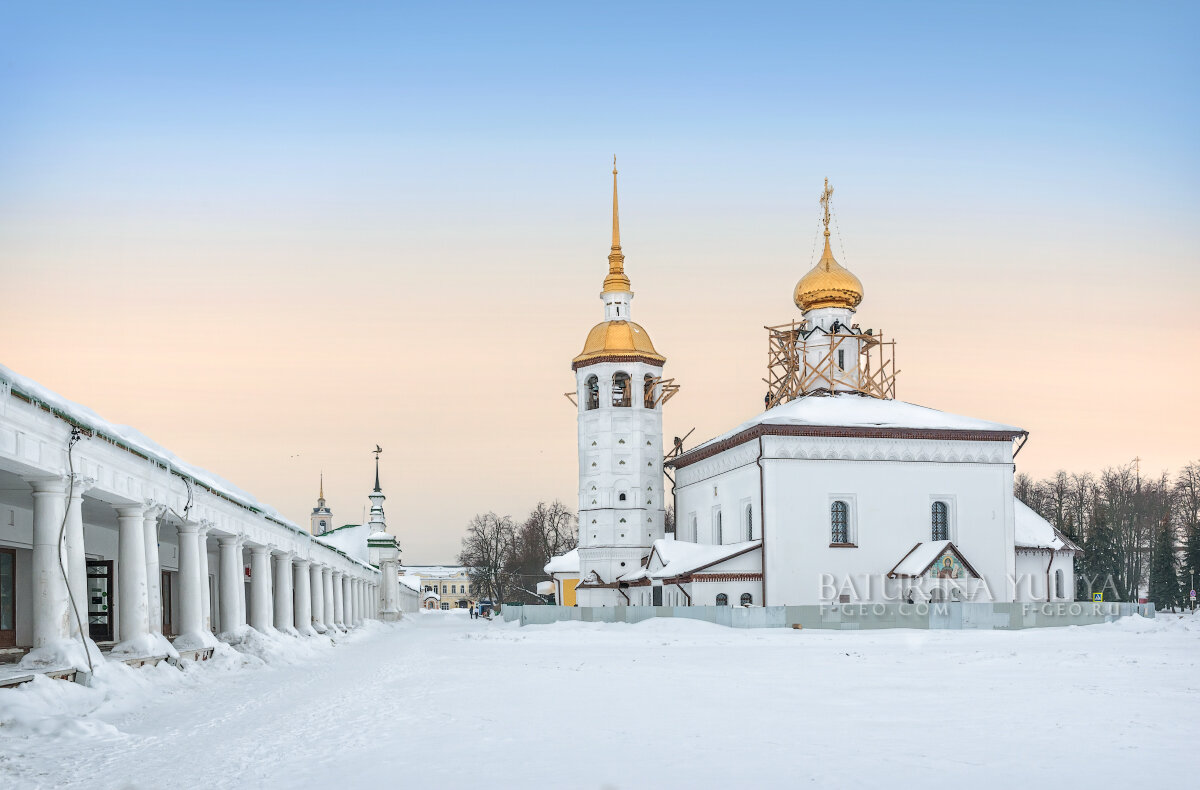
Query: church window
[722, 599]
[842, 358]
[1059, 577]
[621, 497]
[648, 391]
[747, 599]
[941, 521]
[592, 393]
[693, 535]
[749, 522]
[621, 395]
[839, 518]
[718, 529]
[324, 523]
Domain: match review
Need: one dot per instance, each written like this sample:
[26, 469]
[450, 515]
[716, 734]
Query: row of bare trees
[506, 559]
[1139, 534]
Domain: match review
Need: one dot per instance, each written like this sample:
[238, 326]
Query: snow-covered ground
[445, 701]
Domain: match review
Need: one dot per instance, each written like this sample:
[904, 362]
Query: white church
[837, 493]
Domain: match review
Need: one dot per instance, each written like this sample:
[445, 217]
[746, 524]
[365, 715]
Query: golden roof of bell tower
[828, 284]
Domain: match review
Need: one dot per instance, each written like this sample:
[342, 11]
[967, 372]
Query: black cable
[62, 531]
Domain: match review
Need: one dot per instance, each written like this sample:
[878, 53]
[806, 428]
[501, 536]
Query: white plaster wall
[890, 485]
[620, 452]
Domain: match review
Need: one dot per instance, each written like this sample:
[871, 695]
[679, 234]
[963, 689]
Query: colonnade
[288, 593]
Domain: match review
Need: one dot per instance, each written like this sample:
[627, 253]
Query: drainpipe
[685, 594]
[1048, 564]
[762, 518]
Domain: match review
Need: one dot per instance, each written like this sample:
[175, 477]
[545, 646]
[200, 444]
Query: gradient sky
[270, 235]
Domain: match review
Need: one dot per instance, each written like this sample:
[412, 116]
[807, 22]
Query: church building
[836, 493]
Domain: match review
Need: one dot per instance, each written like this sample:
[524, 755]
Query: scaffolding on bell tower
[802, 360]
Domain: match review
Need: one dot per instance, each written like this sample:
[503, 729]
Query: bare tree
[548, 531]
[486, 550]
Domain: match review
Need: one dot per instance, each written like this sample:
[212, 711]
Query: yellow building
[565, 572]
[450, 586]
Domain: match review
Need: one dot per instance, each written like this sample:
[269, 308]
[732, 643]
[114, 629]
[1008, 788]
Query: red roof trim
[752, 433]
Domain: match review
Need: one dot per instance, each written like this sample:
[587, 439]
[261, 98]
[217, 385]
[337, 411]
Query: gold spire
[322, 494]
[616, 279]
[828, 284]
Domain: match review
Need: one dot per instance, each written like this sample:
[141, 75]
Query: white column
[317, 591]
[133, 617]
[302, 598]
[283, 593]
[153, 570]
[230, 588]
[356, 588]
[191, 617]
[50, 623]
[205, 588]
[339, 601]
[347, 603]
[260, 588]
[76, 558]
[327, 604]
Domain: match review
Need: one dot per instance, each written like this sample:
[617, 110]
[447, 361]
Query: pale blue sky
[270, 235]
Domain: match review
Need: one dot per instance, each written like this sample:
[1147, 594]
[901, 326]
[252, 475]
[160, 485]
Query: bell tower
[619, 393]
[322, 516]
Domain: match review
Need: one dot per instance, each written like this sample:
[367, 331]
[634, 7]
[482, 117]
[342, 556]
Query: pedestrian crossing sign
[1098, 597]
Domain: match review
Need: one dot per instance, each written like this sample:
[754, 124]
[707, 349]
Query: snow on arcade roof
[1034, 532]
[681, 557]
[564, 563]
[134, 441]
[849, 414]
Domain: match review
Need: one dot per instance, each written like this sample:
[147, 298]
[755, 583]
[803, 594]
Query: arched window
[839, 519]
[621, 497]
[324, 523]
[621, 395]
[749, 522]
[941, 521]
[718, 529]
[747, 599]
[592, 393]
[937, 595]
[1059, 585]
[694, 529]
[722, 600]
[648, 391]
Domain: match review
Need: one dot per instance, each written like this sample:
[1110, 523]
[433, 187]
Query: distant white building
[836, 493]
[443, 586]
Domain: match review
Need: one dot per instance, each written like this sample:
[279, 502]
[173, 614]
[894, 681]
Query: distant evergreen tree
[1099, 570]
[1164, 571]
[1191, 555]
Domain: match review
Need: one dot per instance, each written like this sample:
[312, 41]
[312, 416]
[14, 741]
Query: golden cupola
[828, 284]
[617, 338]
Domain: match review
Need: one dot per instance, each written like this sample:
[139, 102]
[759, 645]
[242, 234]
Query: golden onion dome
[828, 284]
[617, 339]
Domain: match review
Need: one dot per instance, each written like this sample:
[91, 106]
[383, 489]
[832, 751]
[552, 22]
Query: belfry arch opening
[622, 395]
[591, 393]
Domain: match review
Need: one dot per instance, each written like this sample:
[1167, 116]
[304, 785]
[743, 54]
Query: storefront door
[8, 598]
[100, 625]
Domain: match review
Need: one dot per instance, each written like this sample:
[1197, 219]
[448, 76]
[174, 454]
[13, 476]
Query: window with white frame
[842, 527]
[940, 521]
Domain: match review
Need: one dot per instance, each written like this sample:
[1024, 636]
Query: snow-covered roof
[349, 539]
[432, 595]
[545, 588]
[857, 411]
[564, 563]
[1034, 532]
[681, 557]
[132, 439]
[917, 561]
[437, 571]
[411, 582]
